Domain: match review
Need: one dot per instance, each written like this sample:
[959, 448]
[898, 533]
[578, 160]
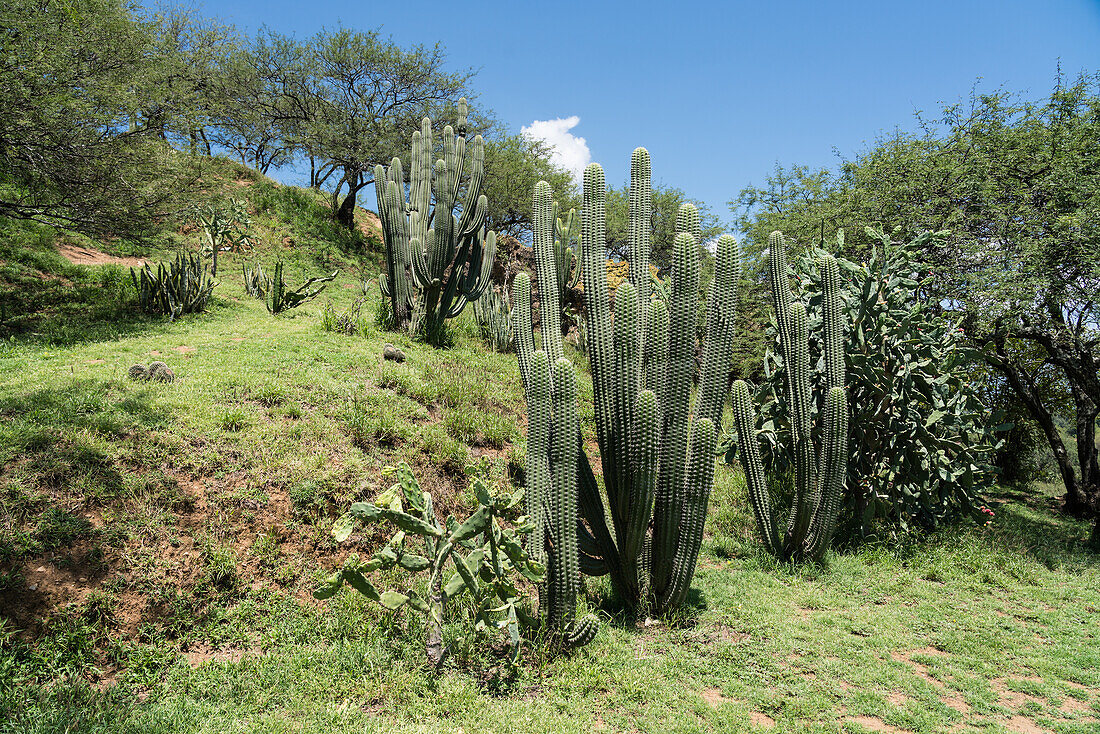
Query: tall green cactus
[436, 261]
[819, 479]
[657, 454]
[567, 236]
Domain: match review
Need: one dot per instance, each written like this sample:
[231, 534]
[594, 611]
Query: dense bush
[921, 440]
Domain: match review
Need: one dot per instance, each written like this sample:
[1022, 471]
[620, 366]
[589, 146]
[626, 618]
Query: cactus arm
[656, 356]
[418, 262]
[683, 314]
[469, 221]
[549, 297]
[832, 476]
[832, 322]
[522, 331]
[721, 325]
[781, 287]
[749, 450]
[641, 214]
[646, 457]
[700, 475]
[539, 479]
[600, 349]
[625, 392]
[797, 361]
[563, 501]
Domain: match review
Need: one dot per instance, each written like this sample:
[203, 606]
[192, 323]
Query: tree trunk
[1074, 501]
[1087, 411]
[345, 214]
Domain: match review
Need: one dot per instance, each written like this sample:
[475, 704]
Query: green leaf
[482, 493]
[417, 603]
[392, 600]
[344, 526]
[454, 586]
[329, 586]
[359, 582]
[475, 524]
[411, 524]
[365, 511]
[411, 562]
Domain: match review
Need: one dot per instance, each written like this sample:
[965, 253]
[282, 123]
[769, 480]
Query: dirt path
[87, 256]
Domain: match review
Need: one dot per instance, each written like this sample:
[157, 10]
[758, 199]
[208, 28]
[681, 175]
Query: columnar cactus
[553, 438]
[819, 479]
[657, 455]
[567, 235]
[435, 262]
[493, 314]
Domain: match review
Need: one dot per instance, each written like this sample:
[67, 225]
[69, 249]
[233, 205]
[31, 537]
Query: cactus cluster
[485, 556]
[819, 477]
[493, 314]
[174, 289]
[435, 262]
[280, 298]
[155, 372]
[256, 281]
[657, 453]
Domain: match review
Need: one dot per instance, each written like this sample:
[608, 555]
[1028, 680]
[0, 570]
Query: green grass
[179, 529]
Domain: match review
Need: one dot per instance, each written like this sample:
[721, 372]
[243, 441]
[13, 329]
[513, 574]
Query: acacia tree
[72, 76]
[366, 95]
[666, 203]
[1017, 186]
[513, 165]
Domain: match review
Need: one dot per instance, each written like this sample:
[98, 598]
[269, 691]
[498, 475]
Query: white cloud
[570, 152]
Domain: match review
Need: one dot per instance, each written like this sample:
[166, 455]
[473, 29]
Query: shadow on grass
[63, 433]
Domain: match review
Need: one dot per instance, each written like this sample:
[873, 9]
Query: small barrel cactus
[138, 372]
[159, 372]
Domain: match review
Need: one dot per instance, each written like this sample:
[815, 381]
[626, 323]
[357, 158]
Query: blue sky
[719, 92]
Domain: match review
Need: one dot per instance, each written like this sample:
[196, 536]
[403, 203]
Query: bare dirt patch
[204, 655]
[1012, 699]
[714, 697]
[1024, 725]
[184, 349]
[759, 719]
[873, 723]
[87, 256]
[369, 223]
[955, 701]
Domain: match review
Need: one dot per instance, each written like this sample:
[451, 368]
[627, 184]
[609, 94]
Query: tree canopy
[83, 118]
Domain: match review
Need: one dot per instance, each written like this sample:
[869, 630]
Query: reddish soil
[87, 256]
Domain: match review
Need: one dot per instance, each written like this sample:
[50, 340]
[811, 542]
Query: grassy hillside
[159, 542]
